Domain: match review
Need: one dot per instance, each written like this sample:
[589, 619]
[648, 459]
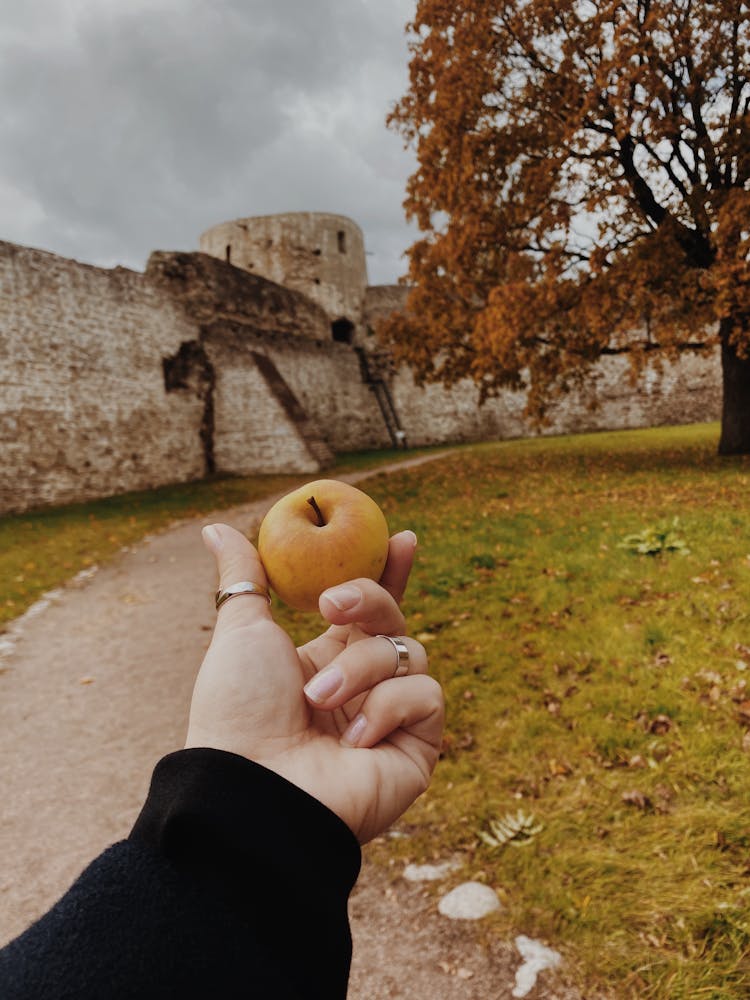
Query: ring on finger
[402, 654]
[236, 589]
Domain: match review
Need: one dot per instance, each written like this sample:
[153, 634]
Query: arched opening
[342, 331]
[342, 241]
[228, 253]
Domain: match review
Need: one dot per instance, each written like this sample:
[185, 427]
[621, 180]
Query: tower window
[341, 235]
[228, 253]
[342, 331]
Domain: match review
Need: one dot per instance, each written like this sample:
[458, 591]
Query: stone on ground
[430, 873]
[469, 901]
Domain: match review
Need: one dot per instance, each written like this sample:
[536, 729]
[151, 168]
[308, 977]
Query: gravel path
[96, 687]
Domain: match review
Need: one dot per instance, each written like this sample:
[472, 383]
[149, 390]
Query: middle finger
[360, 667]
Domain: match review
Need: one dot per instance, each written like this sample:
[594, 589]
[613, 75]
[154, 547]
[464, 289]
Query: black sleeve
[232, 884]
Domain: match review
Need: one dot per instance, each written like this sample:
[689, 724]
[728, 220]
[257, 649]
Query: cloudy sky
[133, 125]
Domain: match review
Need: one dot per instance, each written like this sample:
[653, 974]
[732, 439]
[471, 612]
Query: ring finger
[363, 665]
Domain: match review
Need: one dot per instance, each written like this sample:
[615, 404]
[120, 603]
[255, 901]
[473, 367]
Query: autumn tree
[581, 189]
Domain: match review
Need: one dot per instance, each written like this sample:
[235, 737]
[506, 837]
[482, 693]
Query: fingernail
[324, 684]
[212, 538]
[343, 597]
[355, 730]
[413, 536]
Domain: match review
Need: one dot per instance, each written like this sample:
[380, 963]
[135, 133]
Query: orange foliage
[582, 187]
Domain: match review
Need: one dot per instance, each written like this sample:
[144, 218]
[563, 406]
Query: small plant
[515, 829]
[483, 561]
[654, 540]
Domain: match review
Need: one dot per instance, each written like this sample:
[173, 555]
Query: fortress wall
[254, 432]
[381, 301]
[687, 391]
[326, 379]
[241, 313]
[83, 407]
[112, 380]
[208, 291]
[318, 254]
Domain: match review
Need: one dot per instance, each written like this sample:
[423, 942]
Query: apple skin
[302, 559]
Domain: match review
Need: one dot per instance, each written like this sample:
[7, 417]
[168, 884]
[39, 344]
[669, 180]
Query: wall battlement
[114, 380]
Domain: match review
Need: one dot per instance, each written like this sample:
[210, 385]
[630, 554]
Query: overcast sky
[133, 125]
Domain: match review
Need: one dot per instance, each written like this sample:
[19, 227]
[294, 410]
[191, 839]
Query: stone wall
[687, 391]
[315, 253]
[381, 301]
[112, 380]
[238, 318]
[83, 406]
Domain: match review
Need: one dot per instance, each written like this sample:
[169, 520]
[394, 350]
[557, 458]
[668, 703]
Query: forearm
[232, 883]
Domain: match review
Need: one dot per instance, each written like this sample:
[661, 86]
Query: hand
[330, 716]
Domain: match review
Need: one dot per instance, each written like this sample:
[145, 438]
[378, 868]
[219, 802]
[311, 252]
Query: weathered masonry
[255, 355]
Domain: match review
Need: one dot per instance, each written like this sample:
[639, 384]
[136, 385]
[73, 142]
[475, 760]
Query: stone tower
[320, 255]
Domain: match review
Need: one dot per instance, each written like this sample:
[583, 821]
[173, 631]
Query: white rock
[430, 873]
[536, 957]
[469, 901]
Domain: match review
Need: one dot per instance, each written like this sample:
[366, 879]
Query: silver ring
[245, 587]
[402, 654]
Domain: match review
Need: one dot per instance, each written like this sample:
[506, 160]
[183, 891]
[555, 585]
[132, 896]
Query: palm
[249, 700]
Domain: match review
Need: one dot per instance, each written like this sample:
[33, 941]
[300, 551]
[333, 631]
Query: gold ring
[402, 654]
[245, 587]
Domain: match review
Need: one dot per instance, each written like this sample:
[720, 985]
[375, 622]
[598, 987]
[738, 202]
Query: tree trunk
[735, 413]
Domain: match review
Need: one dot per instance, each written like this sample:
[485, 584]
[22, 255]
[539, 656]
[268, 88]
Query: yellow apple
[320, 535]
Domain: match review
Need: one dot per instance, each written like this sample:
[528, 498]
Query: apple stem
[314, 505]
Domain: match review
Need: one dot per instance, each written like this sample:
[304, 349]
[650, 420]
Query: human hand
[330, 716]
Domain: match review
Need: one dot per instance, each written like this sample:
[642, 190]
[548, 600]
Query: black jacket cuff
[280, 858]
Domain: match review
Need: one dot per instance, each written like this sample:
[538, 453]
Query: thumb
[237, 562]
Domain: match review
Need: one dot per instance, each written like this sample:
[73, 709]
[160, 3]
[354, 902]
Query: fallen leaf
[660, 725]
[664, 797]
[637, 799]
[85, 680]
[559, 768]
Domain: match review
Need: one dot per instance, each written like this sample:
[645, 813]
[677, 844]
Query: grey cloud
[136, 128]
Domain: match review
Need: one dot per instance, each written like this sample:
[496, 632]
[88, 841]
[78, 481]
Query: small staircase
[370, 365]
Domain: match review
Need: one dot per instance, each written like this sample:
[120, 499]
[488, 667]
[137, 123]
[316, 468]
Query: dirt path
[96, 688]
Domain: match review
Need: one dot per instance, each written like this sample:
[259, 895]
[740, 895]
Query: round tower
[318, 254]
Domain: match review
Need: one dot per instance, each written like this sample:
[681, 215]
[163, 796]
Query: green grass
[603, 691]
[43, 548]
[600, 690]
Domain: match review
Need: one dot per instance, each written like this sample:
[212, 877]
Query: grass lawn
[603, 691]
[41, 549]
[600, 690]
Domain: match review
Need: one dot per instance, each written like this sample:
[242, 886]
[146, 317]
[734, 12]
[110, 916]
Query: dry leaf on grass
[637, 799]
